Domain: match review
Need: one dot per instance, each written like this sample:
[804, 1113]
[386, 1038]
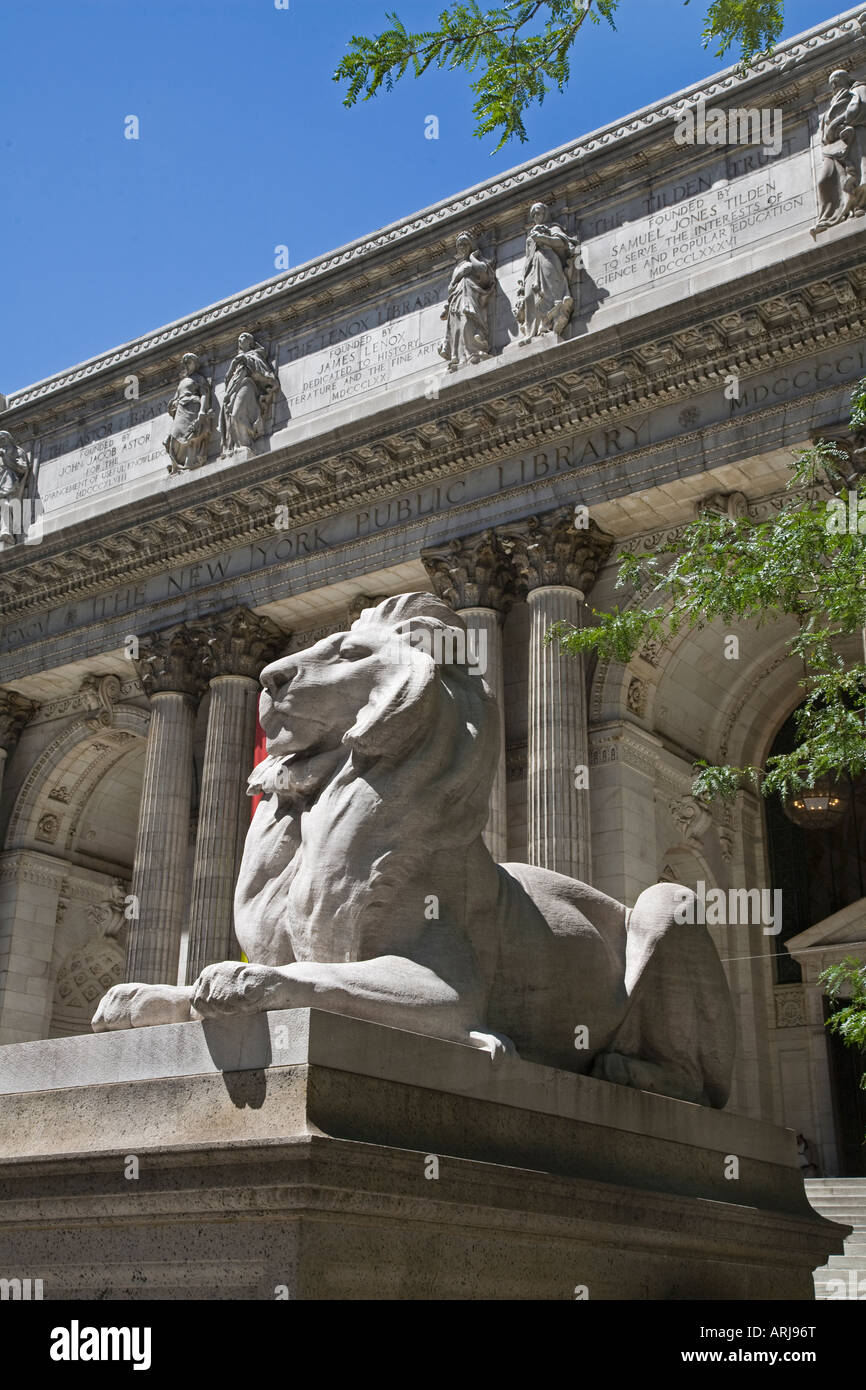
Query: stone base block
[306, 1155]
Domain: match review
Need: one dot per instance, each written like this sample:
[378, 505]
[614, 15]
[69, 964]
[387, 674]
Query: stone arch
[54, 799]
[685, 864]
[70, 847]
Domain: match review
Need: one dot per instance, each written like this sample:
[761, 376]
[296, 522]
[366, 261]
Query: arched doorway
[821, 871]
[66, 865]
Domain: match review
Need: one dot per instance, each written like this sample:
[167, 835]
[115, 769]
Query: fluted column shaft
[159, 879]
[559, 824]
[224, 815]
[476, 577]
[488, 623]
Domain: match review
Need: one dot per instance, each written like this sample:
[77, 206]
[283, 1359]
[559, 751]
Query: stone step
[841, 1205]
[854, 1188]
[816, 1188]
[842, 1200]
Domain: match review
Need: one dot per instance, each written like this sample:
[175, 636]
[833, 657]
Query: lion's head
[374, 687]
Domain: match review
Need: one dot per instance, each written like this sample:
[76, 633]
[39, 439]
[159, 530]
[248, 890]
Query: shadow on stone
[247, 1090]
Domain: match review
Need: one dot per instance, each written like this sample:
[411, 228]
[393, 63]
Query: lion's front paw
[497, 1044]
[140, 1006]
[231, 987]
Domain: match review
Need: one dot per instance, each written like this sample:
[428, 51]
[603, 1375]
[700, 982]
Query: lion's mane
[345, 841]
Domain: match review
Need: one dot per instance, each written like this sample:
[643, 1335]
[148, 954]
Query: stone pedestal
[313, 1156]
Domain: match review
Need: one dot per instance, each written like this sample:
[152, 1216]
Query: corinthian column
[474, 575]
[15, 711]
[239, 645]
[556, 565]
[170, 667]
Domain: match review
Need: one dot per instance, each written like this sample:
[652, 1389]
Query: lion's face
[312, 698]
[375, 688]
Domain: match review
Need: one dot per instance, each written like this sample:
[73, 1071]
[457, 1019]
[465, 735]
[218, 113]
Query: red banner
[261, 754]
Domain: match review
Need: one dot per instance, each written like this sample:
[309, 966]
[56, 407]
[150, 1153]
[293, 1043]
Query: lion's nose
[275, 678]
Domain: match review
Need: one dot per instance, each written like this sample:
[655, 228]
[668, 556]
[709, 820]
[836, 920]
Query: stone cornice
[796, 61]
[30, 866]
[627, 743]
[512, 409]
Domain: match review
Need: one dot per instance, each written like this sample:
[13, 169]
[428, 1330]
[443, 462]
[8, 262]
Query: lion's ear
[399, 710]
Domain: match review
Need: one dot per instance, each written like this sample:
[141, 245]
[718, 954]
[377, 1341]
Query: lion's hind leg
[677, 1036]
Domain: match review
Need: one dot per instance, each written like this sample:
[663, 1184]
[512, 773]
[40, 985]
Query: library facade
[492, 400]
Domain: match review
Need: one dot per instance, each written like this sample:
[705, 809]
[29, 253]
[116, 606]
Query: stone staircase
[842, 1200]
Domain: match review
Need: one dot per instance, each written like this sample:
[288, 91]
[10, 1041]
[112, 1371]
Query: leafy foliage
[521, 50]
[753, 24]
[801, 564]
[848, 978]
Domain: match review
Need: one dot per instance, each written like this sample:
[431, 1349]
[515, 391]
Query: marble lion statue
[366, 887]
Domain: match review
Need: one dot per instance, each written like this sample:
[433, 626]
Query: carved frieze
[504, 425]
[730, 504]
[790, 1006]
[109, 916]
[99, 694]
[636, 696]
[356, 608]
[692, 818]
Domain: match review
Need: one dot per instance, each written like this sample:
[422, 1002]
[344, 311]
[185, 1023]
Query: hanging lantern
[819, 807]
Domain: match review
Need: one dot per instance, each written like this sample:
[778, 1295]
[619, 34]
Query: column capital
[15, 710]
[239, 642]
[359, 603]
[548, 550]
[472, 572]
[171, 660]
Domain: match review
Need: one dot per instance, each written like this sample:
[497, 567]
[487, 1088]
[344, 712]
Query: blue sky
[244, 145]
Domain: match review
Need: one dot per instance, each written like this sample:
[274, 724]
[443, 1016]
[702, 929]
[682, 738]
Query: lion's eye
[350, 651]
